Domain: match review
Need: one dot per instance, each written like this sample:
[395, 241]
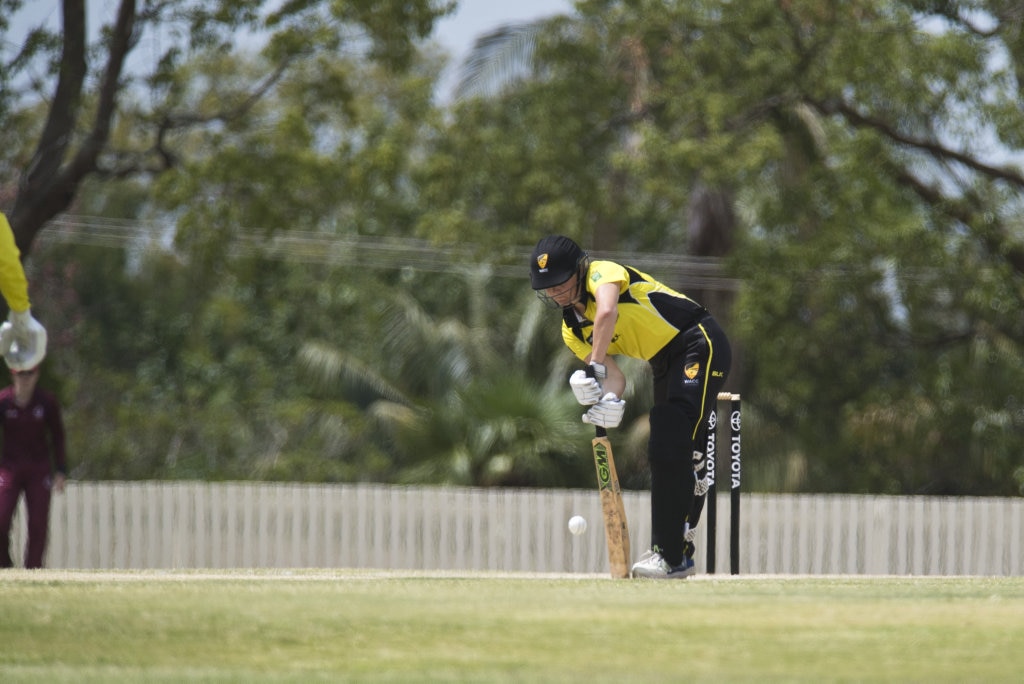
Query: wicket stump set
[732, 402]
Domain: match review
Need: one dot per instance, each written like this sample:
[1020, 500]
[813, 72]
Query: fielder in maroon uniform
[33, 461]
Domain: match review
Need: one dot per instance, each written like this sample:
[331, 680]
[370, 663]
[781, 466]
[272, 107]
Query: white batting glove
[6, 337]
[606, 413]
[22, 341]
[587, 390]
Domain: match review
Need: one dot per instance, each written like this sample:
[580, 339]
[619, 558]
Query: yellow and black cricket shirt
[650, 314]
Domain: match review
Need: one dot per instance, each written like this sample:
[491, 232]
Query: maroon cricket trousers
[34, 479]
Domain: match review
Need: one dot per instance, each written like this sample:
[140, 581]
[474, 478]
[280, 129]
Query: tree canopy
[316, 267]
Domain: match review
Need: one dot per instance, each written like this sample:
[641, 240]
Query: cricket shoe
[652, 566]
[701, 487]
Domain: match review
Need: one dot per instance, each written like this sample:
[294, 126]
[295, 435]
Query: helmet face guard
[555, 260]
[577, 288]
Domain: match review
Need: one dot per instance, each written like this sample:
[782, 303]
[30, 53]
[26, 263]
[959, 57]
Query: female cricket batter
[22, 338]
[612, 309]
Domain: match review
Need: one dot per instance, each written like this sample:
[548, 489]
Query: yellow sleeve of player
[13, 284]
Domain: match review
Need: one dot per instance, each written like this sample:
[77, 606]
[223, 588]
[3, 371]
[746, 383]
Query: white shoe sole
[647, 573]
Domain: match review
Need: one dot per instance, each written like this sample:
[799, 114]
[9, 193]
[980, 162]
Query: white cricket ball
[577, 524]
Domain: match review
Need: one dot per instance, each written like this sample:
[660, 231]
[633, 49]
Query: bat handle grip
[601, 432]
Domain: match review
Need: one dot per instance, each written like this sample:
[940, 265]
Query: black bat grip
[600, 431]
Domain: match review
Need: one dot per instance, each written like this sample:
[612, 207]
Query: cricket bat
[616, 528]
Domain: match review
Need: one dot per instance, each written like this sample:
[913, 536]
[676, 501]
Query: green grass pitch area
[367, 626]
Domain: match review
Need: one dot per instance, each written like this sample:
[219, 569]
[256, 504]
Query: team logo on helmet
[542, 261]
[691, 370]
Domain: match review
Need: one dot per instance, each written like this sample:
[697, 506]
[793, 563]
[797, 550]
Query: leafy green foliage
[336, 306]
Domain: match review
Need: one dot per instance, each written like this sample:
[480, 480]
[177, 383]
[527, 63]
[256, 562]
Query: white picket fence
[172, 525]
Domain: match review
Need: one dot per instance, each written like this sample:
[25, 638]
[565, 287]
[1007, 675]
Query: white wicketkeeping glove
[587, 390]
[22, 341]
[606, 413]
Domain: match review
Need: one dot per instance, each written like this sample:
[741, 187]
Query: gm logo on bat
[604, 477]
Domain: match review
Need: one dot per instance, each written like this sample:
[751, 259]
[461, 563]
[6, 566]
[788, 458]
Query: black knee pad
[671, 435]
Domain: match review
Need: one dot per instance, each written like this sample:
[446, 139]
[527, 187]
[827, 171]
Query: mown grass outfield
[362, 626]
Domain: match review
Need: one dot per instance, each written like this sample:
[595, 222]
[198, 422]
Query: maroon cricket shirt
[30, 433]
